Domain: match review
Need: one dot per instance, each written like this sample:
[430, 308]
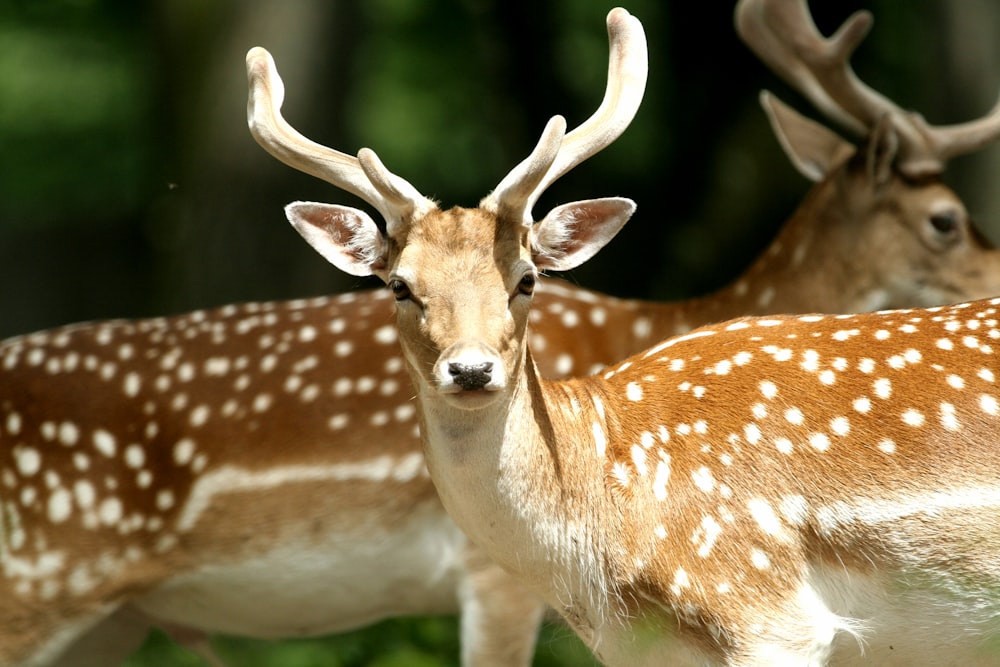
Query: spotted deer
[252, 412]
[769, 490]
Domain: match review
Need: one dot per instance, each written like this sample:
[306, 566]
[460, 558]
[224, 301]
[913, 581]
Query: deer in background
[281, 438]
[771, 490]
[879, 230]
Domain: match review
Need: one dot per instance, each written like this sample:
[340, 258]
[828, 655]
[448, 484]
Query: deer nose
[470, 377]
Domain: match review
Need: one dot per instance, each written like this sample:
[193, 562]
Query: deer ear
[573, 233]
[347, 237]
[812, 148]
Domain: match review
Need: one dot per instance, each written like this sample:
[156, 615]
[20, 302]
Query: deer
[785, 489]
[117, 410]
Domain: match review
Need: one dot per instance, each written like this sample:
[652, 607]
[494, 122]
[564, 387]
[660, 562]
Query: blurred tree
[129, 185]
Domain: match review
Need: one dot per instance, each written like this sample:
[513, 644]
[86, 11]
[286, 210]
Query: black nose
[470, 377]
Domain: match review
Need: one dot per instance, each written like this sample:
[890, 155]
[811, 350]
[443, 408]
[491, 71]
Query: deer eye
[945, 222]
[400, 290]
[527, 284]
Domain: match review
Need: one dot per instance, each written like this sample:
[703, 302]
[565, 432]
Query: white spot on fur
[949, 420]
[760, 559]
[681, 581]
[639, 460]
[132, 384]
[819, 441]
[27, 459]
[661, 477]
[69, 434]
[795, 509]
[105, 442]
[766, 519]
[703, 479]
[706, 535]
[633, 391]
[883, 388]
[110, 511]
[600, 439]
[135, 456]
[564, 364]
[913, 417]
[60, 505]
[183, 451]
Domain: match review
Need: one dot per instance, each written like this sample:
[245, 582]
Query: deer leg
[203, 649]
[500, 618]
[109, 642]
[195, 641]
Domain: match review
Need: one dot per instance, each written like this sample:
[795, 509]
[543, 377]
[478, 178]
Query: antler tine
[783, 35]
[948, 141]
[627, 71]
[394, 198]
[513, 198]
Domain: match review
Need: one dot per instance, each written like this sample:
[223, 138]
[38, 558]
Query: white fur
[321, 585]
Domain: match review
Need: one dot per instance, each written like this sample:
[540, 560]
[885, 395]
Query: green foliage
[425, 642]
[74, 94]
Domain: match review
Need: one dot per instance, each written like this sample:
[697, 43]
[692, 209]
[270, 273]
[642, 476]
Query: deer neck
[520, 488]
[798, 270]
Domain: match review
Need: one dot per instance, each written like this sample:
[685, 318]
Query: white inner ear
[573, 233]
[346, 237]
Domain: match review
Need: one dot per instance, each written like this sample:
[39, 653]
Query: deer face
[462, 280]
[916, 239]
[958, 262]
[463, 285]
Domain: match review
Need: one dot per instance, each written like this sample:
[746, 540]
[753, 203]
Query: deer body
[326, 582]
[161, 467]
[850, 500]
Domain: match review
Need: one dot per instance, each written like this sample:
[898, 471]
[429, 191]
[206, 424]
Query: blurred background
[130, 186]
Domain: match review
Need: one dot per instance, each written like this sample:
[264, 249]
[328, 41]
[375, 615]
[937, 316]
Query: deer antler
[783, 35]
[397, 200]
[627, 70]
[365, 176]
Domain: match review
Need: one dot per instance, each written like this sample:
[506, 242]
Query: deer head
[502, 246]
[883, 197]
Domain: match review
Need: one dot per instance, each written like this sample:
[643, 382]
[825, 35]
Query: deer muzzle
[469, 367]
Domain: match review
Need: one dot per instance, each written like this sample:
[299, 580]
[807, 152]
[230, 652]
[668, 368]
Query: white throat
[497, 477]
